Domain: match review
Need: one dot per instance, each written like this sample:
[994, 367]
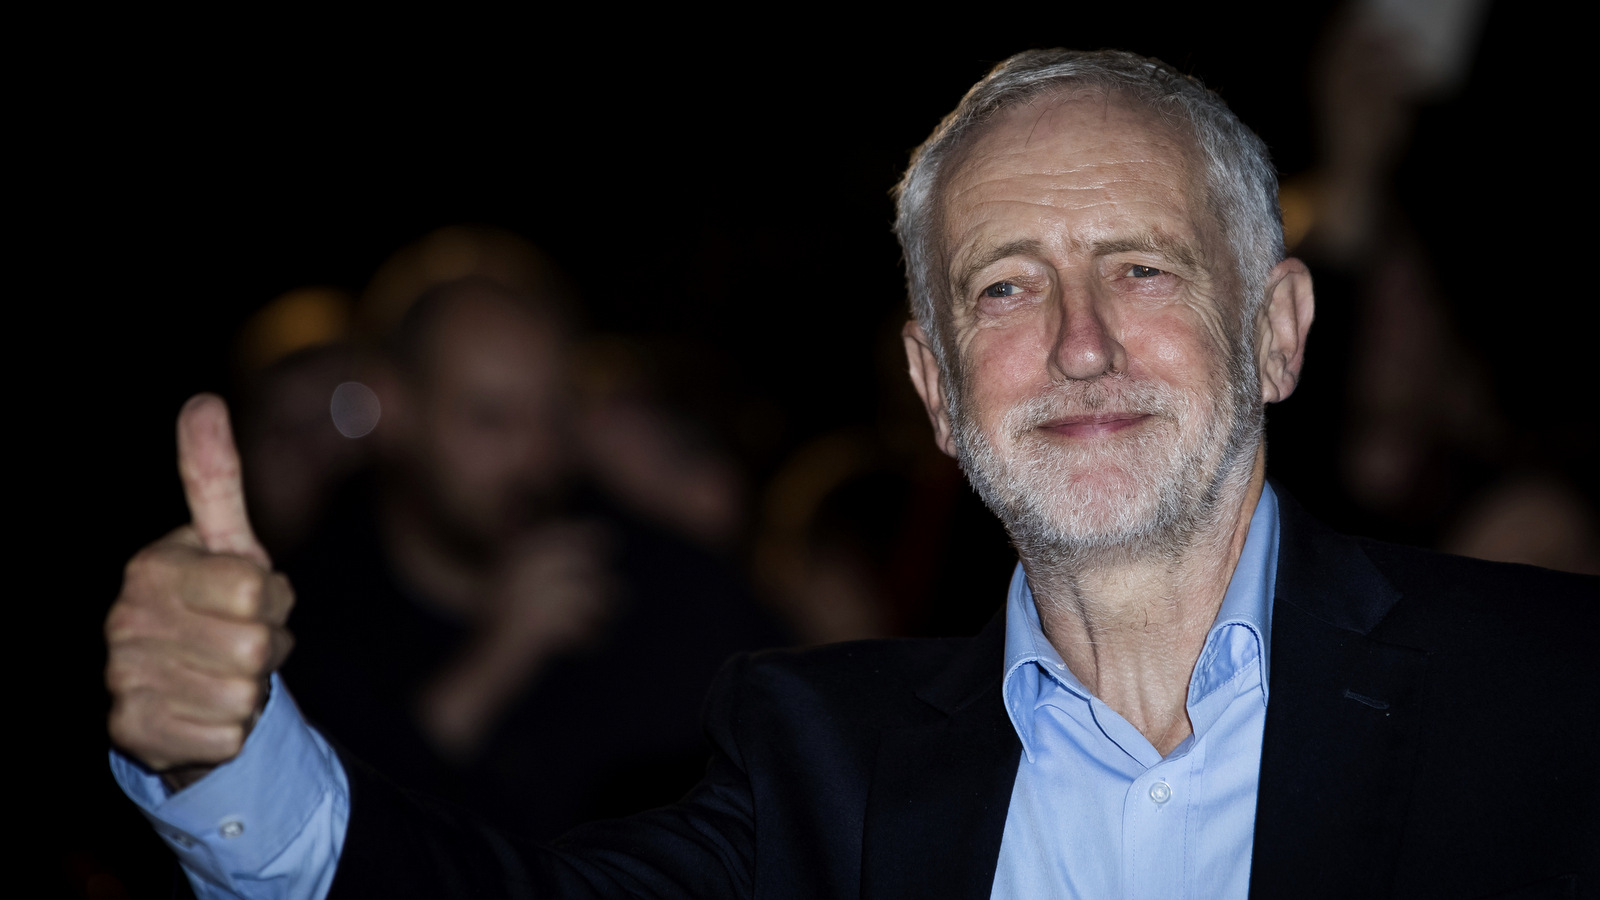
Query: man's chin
[1107, 509]
[1090, 529]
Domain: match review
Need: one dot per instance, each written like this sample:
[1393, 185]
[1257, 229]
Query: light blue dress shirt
[1095, 811]
[268, 823]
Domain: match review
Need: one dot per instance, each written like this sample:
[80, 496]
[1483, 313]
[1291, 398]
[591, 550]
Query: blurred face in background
[481, 439]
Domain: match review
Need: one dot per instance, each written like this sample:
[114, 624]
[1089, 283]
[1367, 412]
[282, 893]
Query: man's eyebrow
[1180, 251]
[991, 255]
[1159, 242]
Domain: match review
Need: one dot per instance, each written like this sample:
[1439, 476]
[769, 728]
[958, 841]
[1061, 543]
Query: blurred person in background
[662, 465]
[292, 357]
[872, 532]
[1404, 404]
[480, 590]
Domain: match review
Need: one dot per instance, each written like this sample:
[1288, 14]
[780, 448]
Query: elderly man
[1194, 690]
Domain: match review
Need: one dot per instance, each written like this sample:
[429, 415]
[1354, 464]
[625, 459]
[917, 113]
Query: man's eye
[1143, 272]
[1003, 289]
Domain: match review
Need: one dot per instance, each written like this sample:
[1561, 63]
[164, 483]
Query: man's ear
[1281, 329]
[930, 386]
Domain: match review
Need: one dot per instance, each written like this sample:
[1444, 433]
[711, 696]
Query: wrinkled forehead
[1065, 130]
[1078, 150]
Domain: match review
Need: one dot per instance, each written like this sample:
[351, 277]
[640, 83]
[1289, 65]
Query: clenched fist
[199, 625]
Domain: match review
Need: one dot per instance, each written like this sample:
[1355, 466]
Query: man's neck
[1131, 628]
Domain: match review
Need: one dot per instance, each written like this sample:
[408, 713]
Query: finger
[230, 648]
[208, 462]
[190, 694]
[226, 586]
[143, 724]
[277, 599]
[234, 588]
[200, 642]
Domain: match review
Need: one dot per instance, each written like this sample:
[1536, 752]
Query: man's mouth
[1093, 424]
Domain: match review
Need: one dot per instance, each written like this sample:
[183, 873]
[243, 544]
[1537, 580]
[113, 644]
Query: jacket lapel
[941, 787]
[1337, 763]
[1339, 751]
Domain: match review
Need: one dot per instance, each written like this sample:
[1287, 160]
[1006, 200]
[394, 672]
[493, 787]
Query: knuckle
[222, 583]
[246, 585]
[155, 561]
[127, 621]
[122, 675]
[220, 569]
[280, 584]
[248, 598]
[116, 625]
[230, 740]
[140, 583]
[139, 669]
[147, 560]
[240, 696]
[137, 569]
[120, 724]
[281, 644]
[147, 583]
[129, 726]
[212, 744]
[252, 649]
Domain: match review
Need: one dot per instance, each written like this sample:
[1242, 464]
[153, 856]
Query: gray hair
[1242, 185]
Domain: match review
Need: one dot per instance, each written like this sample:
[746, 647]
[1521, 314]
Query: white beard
[1130, 495]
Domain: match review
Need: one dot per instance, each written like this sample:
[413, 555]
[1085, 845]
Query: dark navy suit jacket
[1431, 732]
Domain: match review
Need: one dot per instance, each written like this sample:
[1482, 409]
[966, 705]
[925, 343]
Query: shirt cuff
[271, 818]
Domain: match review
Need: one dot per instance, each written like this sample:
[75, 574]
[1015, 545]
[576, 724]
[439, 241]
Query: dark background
[720, 186]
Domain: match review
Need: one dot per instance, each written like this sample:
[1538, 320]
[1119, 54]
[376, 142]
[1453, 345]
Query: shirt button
[1160, 792]
[232, 828]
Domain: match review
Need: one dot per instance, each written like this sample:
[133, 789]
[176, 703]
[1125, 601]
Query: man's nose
[1085, 346]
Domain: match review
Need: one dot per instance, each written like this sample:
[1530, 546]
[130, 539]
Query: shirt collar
[1248, 601]
[1030, 657]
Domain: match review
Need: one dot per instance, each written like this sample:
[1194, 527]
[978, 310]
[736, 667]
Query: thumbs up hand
[199, 625]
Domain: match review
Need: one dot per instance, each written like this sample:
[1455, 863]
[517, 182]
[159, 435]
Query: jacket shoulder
[1474, 602]
[1407, 594]
[1415, 570]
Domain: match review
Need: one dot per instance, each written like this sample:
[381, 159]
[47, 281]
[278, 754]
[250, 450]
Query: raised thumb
[208, 463]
